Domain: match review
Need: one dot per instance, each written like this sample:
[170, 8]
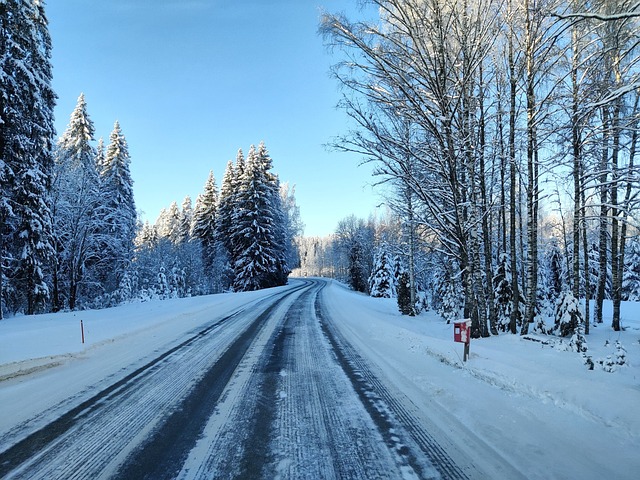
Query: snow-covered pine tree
[204, 224]
[503, 294]
[168, 224]
[556, 273]
[75, 204]
[227, 204]
[352, 244]
[568, 315]
[258, 255]
[100, 156]
[381, 281]
[27, 130]
[227, 200]
[186, 220]
[631, 275]
[119, 207]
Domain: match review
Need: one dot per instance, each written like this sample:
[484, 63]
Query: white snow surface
[535, 407]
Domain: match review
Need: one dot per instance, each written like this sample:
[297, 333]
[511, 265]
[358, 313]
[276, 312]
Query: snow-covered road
[305, 381]
[266, 390]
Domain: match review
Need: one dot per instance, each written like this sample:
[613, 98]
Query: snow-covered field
[536, 407]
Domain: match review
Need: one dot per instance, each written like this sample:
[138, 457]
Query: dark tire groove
[31, 445]
[385, 410]
[257, 456]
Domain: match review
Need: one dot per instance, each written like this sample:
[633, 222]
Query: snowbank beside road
[537, 406]
[45, 369]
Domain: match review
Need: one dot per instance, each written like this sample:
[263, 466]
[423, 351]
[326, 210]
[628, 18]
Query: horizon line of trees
[478, 115]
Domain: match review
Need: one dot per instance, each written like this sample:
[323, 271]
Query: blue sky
[191, 81]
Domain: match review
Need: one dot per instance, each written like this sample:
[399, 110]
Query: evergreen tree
[503, 294]
[631, 279]
[120, 216]
[204, 223]
[168, 224]
[27, 101]
[227, 204]
[100, 156]
[186, 220]
[568, 315]
[357, 273]
[381, 281]
[404, 295]
[75, 203]
[258, 255]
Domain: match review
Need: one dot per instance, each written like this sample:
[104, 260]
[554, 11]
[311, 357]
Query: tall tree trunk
[532, 190]
[626, 206]
[602, 245]
[412, 247]
[576, 142]
[515, 299]
[616, 274]
[486, 231]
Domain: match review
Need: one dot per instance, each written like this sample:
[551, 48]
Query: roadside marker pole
[82, 330]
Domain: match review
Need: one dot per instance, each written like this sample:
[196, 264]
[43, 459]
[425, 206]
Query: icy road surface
[270, 389]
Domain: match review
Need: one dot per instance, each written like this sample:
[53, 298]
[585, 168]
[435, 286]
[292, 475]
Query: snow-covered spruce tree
[631, 275]
[257, 238]
[118, 210]
[203, 228]
[75, 203]
[381, 281]
[186, 220]
[405, 305]
[169, 223]
[352, 246]
[227, 203]
[223, 226]
[26, 159]
[503, 294]
[568, 315]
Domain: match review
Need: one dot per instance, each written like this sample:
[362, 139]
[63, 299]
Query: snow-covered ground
[536, 407]
[45, 368]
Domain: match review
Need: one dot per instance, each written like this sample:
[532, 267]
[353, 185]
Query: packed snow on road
[319, 382]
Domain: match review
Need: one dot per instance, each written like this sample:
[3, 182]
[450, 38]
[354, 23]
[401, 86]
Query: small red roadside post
[461, 335]
[82, 330]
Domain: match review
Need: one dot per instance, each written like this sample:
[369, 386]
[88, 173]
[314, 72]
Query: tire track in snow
[296, 414]
[402, 431]
[233, 441]
[322, 429]
[92, 439]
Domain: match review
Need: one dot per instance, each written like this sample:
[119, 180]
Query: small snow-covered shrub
[611, 362]
[568, 315]
[578, 342]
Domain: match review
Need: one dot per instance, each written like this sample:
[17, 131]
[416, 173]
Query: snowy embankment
[538, 407]
[45, 369]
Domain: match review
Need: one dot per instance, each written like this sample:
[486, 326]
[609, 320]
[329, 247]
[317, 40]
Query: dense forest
[506, 133]
[70, 236]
